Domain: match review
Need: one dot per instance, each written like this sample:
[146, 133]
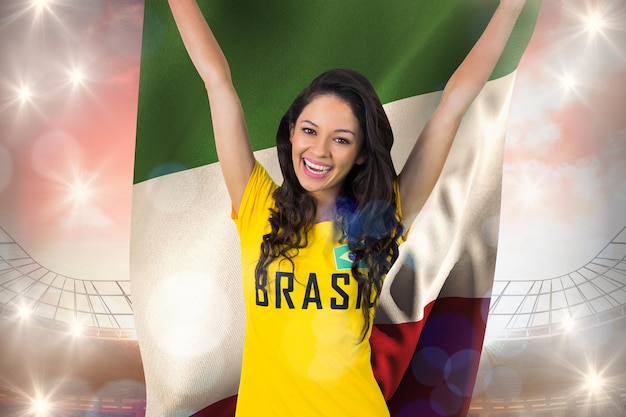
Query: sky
[564, 180]
[67, 117]
[68, 106]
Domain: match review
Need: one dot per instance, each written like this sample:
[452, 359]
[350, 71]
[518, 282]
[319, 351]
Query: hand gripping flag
[185, 271]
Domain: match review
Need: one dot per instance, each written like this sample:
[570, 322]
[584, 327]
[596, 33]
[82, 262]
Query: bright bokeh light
[24, 94]
[77, 76]
[40, 5]
[41, 407]
[594, 23]
[568, 324]
[172, 320]
[593, 382]
[568, 82]
[79, 193]
[77, 330]
[24, 312]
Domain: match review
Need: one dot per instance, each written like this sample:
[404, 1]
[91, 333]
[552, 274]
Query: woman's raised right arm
[232, 142]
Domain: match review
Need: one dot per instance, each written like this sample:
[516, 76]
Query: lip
[314, 174]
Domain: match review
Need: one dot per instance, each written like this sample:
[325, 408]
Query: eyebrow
[337, 130]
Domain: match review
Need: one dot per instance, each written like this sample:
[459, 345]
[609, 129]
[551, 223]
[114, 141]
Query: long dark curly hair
[367, 219]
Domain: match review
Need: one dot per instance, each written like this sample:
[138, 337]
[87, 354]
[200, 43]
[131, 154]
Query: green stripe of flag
[277, 47]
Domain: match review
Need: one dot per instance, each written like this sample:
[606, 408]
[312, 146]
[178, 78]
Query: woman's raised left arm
[425, 162]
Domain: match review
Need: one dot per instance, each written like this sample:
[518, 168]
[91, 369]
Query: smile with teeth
[315, 168]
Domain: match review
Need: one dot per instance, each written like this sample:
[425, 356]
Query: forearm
[474, 72]
[232, 143]
[201, 45]
[425, 162]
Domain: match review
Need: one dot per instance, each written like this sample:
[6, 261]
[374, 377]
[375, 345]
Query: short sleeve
[257, 199]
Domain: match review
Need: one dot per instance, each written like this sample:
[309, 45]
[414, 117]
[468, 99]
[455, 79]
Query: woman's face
[326, 143]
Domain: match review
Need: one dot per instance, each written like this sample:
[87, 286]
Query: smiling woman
[354, 188]
[326, 142]
[340, 194]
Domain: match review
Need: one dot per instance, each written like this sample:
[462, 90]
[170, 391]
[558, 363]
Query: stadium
[554, 347]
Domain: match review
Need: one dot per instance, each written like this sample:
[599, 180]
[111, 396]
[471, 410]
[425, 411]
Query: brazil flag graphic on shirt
[343, 257]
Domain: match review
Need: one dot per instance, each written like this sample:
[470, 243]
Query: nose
[320, 146]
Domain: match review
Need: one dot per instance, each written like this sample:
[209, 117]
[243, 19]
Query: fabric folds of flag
[185, 272]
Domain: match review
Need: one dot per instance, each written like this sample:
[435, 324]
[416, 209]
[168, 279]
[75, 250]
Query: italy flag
[185, 268]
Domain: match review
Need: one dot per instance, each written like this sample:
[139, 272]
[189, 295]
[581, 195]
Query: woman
[316, 249]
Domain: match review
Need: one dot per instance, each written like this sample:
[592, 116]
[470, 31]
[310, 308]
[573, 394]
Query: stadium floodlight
[568, 82]
[41, 407]
[568, 324]
[77, 329]
[593, 382]
[40, 5]
[24, 94]
[24, 312]
[594, 22]
[77, 76]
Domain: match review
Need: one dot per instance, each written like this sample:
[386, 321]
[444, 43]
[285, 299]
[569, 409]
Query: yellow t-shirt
[303, 355]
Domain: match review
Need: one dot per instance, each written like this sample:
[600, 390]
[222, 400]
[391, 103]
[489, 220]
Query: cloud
[564, 180]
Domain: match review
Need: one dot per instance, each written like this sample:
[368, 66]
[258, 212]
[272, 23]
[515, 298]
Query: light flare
[596, 376]
[568, 82]
[43, 8]
[41, 406]
[40, 5]
[568, 324]
[77, 76]
[594, 382]
[77, 71]
[23, 100]
[79, 192]
[77, 330]
[599, 24]
[595, 23]
[24, 94]
[79, 201]
[24, 312]
[571, 81]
